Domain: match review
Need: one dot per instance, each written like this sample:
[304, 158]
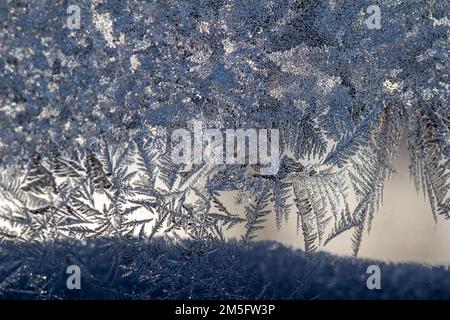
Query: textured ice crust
[85, 113]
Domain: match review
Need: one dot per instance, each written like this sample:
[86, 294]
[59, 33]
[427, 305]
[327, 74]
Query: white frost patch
[228, 46]
[440, 22]
[332, 4]
[135, 64]
[391, 87]
[104, 24]
[203, 27]
[327, 83]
